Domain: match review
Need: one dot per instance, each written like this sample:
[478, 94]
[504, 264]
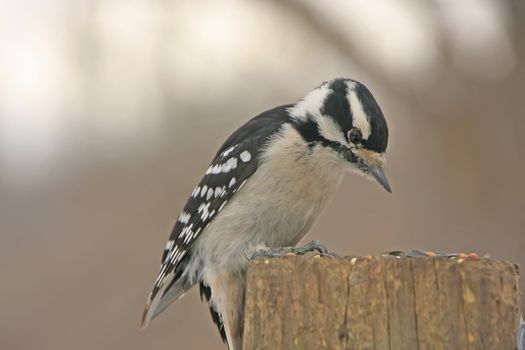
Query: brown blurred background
[111, 110]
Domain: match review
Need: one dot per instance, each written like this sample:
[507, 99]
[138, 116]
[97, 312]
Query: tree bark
[306, 302]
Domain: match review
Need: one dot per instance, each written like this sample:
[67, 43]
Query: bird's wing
[235, 162]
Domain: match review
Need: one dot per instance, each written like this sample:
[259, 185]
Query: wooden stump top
[308, 302]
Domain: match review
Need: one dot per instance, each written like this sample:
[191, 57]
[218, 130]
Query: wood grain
[306, 302]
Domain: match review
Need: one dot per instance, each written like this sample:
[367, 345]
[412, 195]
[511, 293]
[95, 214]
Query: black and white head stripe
[339, 105]
[235, 162]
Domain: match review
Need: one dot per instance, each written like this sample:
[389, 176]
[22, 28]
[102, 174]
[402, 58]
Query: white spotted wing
[234, 163]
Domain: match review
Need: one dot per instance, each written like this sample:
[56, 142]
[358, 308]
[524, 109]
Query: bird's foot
[313, 246]
[418, 253]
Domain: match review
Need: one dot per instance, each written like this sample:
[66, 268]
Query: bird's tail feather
[159, 299]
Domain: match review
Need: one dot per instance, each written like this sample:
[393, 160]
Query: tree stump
[312, 302]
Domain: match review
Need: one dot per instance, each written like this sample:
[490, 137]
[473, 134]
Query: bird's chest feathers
[296, 180]
[290, 189]
[298, 172]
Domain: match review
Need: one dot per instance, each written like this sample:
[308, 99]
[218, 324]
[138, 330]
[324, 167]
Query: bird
[266, 186]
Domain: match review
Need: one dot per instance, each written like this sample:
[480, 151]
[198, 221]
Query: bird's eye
[354, 135]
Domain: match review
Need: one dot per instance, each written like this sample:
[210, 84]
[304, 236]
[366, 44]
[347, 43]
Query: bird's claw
[313, 246]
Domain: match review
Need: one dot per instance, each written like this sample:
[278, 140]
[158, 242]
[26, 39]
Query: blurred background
[110, 112]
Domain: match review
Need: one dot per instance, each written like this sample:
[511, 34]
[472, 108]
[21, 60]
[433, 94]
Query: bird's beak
[378, 173]
[372, 163]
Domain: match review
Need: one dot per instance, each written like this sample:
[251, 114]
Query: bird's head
[343, 117]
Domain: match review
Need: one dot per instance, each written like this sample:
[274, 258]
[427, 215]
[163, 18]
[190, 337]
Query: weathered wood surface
[307, 302]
